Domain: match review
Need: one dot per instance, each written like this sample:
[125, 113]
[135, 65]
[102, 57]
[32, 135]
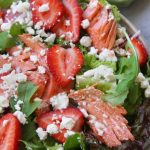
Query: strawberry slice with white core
[70, 24]
[64, 64]
[47, 11]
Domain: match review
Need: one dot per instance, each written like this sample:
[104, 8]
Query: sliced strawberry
[64, 64]
[73, 13]
[141, 51]
[55, 117]
[9, 132]
[49, 17]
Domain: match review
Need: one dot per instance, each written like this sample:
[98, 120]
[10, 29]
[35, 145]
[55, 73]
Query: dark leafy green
[26, 90]
[75, 142]
[127, 73]
[6, 3]
[16, 29]
[6, 41]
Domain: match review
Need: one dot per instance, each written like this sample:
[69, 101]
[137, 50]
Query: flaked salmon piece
[90, 12]
[107, 122]
[102, 29]
[39, 80]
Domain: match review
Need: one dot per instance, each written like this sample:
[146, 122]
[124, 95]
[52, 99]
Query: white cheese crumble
[23, 6]
[44, 8]
[86, 41]
[30, 30]
[42, 33]
[144, 84]
[41, 133]
[85, 23]
[51, 38]
[18, 105]
[4, 101]
[41, 70]
[6, 26]
[52, 129]
[34, 58]
[93, 51]
[72, 45]
[20, 116]
[67, 22]
[93, 3]
[5, 68]
[140, 77]
[107, 55]
[60, 101]
[68, 35]
[101, 72]
[147, 92]
[38, 25]
[69, 133]
[67, 123]
[27, 49]
[84, 112]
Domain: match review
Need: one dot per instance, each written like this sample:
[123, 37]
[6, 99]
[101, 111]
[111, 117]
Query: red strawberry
[51, 16]
[73, 13]
[64, 64]
[9, 132]
[55, 117]
[141, 51]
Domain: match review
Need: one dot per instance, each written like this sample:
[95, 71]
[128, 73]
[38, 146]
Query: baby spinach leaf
[75, 142]
[6, 41]
[16, 29]
[26, 90]
[6, 3]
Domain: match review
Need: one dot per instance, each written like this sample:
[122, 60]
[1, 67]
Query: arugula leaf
[83, 49]
[128, 71]
[25, 92]
[83, 3]
[16, 29]
[6, 41]
[75, 142]
[6, 3]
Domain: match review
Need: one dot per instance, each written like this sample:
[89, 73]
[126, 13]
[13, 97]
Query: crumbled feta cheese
[38, 25]
[4, 101]
[50, 39]
[6, 68]
[20, 77]
[16, 53]
[67, 22]
[23, 7]
[41, 133]
[67, 123]
[5, 122]
[37, 38]
[93, 3]
[62, 36]
[6, 26]
[30, 30]
[60, 101]
[20, 116]
[42, 33]
[147, 92]
[5, 56]
[144, 84]
[18, 105]
[85, 23]
[34, 58]
[69, 133]
[119, 41]
[111, 16]
[93, 51]
[72, 45]
[86, 41]
[101, 72]
[41, 69]
[107, 55]
[140, 77]
[122, 52]
[108, 6]
[52, 129]
[42, 52]
[44, 8]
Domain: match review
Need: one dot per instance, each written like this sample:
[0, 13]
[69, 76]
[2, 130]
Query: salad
[71, 77]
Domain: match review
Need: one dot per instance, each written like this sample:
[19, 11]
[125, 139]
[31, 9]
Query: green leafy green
[115, 10]
[61, 42]
[6, 41]
[83, 3]
[127, 73]
[6, 3]
[83, 49]
[26, 90]
[16, 29]
[75, 142]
